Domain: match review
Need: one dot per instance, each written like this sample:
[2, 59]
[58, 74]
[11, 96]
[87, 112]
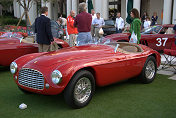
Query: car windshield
[106, 41]
[11, 34]
[109, 22]
[152, 30]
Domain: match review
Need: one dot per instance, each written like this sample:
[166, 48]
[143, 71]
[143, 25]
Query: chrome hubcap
[150, 70]
[82, 90]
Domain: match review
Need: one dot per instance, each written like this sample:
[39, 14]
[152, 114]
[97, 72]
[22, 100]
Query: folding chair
[170, 56]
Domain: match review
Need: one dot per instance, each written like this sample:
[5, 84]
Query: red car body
[12, 48]
[158, 40]
[107, 66]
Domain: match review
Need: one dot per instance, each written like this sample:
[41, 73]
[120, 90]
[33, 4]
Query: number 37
[160, 41]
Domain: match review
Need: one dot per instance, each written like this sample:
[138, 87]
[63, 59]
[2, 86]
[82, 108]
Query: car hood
[70, 54]
[4, 40]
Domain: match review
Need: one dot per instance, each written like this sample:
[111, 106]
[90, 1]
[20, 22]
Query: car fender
[26, 58]
[69, 69]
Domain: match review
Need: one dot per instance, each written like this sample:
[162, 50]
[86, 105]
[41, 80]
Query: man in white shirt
[98, 24]
[119, 23]
[92, 27]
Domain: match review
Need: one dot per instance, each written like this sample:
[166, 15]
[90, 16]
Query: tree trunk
[26, 18]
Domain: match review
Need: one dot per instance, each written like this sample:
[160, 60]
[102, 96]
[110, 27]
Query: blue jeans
[84, 38]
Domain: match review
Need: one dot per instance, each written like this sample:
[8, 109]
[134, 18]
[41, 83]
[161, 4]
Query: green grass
[128, 99]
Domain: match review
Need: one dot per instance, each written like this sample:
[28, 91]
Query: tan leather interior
[125, 47]
[130, 48]
[29, 39]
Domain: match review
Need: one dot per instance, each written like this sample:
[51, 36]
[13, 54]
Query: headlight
[13, 67]
[56, 77]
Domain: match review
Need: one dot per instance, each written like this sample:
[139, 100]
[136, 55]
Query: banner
[129, 7]
[90, 5]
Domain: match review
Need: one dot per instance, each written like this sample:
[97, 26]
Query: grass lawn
[128, 99]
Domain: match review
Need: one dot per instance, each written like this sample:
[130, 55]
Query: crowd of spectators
[85, 28]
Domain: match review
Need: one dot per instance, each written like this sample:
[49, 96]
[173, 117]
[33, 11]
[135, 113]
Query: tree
[26, 4]
[6, 4]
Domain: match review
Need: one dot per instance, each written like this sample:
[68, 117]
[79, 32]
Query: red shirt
[83, 22]
[70, 27]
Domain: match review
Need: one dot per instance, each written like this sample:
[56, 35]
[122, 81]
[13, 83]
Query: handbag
[101, 31]
[54, 46]
[133, 38]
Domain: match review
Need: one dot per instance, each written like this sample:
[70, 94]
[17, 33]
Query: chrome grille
[31, 78]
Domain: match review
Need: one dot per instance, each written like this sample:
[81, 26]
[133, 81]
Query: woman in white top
[147, 23]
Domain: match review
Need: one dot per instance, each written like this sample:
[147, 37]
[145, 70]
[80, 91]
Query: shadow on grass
[38, 101]
[4, 68]
[119, 85]
[109, 101]
[57, 102]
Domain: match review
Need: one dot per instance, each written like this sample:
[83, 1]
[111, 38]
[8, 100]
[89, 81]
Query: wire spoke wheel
[82, 90]
[150, 70]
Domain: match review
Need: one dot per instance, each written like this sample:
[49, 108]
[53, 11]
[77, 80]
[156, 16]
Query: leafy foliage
[8, 20]
[6, 3]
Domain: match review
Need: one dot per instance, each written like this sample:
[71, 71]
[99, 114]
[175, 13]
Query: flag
[90, 5]
[129, 7]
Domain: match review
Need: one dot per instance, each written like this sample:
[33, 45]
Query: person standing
[147, 23]
[136, 24]
[154, 19]
[98, 24]
[174, 28]
[119, 23]
[93, 17]
[83, 23]
[44, 36]
[144, 17]
[72, 31]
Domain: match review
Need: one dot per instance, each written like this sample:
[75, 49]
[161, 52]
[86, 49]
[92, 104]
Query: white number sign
[160, 41]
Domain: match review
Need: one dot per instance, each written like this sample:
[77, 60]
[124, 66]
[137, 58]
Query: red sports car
[77, 70]
[13, 46]
[156, 37]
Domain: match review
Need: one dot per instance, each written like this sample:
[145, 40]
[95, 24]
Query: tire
[149, 70]
[76, 84]
[24, 91]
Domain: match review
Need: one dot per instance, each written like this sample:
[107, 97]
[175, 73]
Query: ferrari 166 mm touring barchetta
[77, 70]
